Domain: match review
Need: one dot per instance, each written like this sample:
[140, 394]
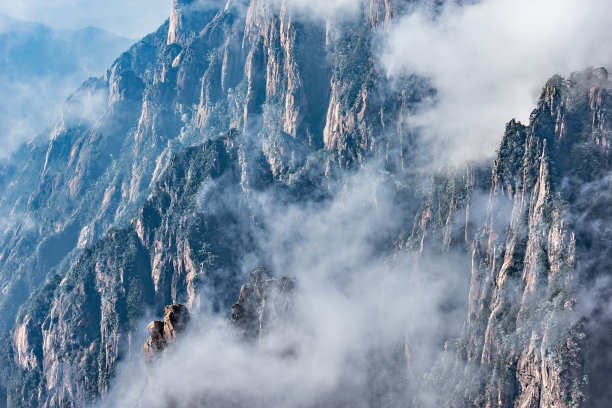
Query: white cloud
[353, 301]
[324, 9]
[489, 61]
[32, 108]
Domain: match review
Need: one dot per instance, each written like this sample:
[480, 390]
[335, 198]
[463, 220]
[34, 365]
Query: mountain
[254, 164]
[117, 132]
[40, 68]
[536, 334]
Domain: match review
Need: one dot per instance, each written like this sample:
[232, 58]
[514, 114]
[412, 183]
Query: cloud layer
[41, 68]
[356, 307]
[489, 61]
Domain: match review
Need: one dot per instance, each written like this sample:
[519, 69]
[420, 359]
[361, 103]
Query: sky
[129, 18]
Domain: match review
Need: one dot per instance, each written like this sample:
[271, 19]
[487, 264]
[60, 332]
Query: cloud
[20, 221]
[324, 9]
[41, 69]
[357, 304]
[489, 61]
[29, 106]
[131, 18]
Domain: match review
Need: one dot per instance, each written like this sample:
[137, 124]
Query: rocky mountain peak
[162, 334]
[264, 301]
[176, 28]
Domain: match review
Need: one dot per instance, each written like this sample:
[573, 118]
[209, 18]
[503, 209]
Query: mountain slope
[117, 132]
[168, 186]
[84, 322]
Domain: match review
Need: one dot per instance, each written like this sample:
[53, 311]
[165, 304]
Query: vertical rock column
[162, 334]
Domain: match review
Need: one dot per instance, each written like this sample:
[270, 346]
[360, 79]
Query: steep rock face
[263, 302]
[526, 341]
[70, 337]
[450, 213]
[259, 80]
[296, 85]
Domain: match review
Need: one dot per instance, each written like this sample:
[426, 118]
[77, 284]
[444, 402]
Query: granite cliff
[298, 87]
[530, 334]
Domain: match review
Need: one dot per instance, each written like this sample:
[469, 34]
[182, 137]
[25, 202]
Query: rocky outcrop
[263, 302]
[176, 318]
[162, 334]
[156, 343]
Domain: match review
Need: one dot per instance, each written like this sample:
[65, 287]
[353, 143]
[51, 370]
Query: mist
[42, 68]
[488, 62]
[365, 317]
[307, 10]
[369, 317]
[324, 9]
[31, 108]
